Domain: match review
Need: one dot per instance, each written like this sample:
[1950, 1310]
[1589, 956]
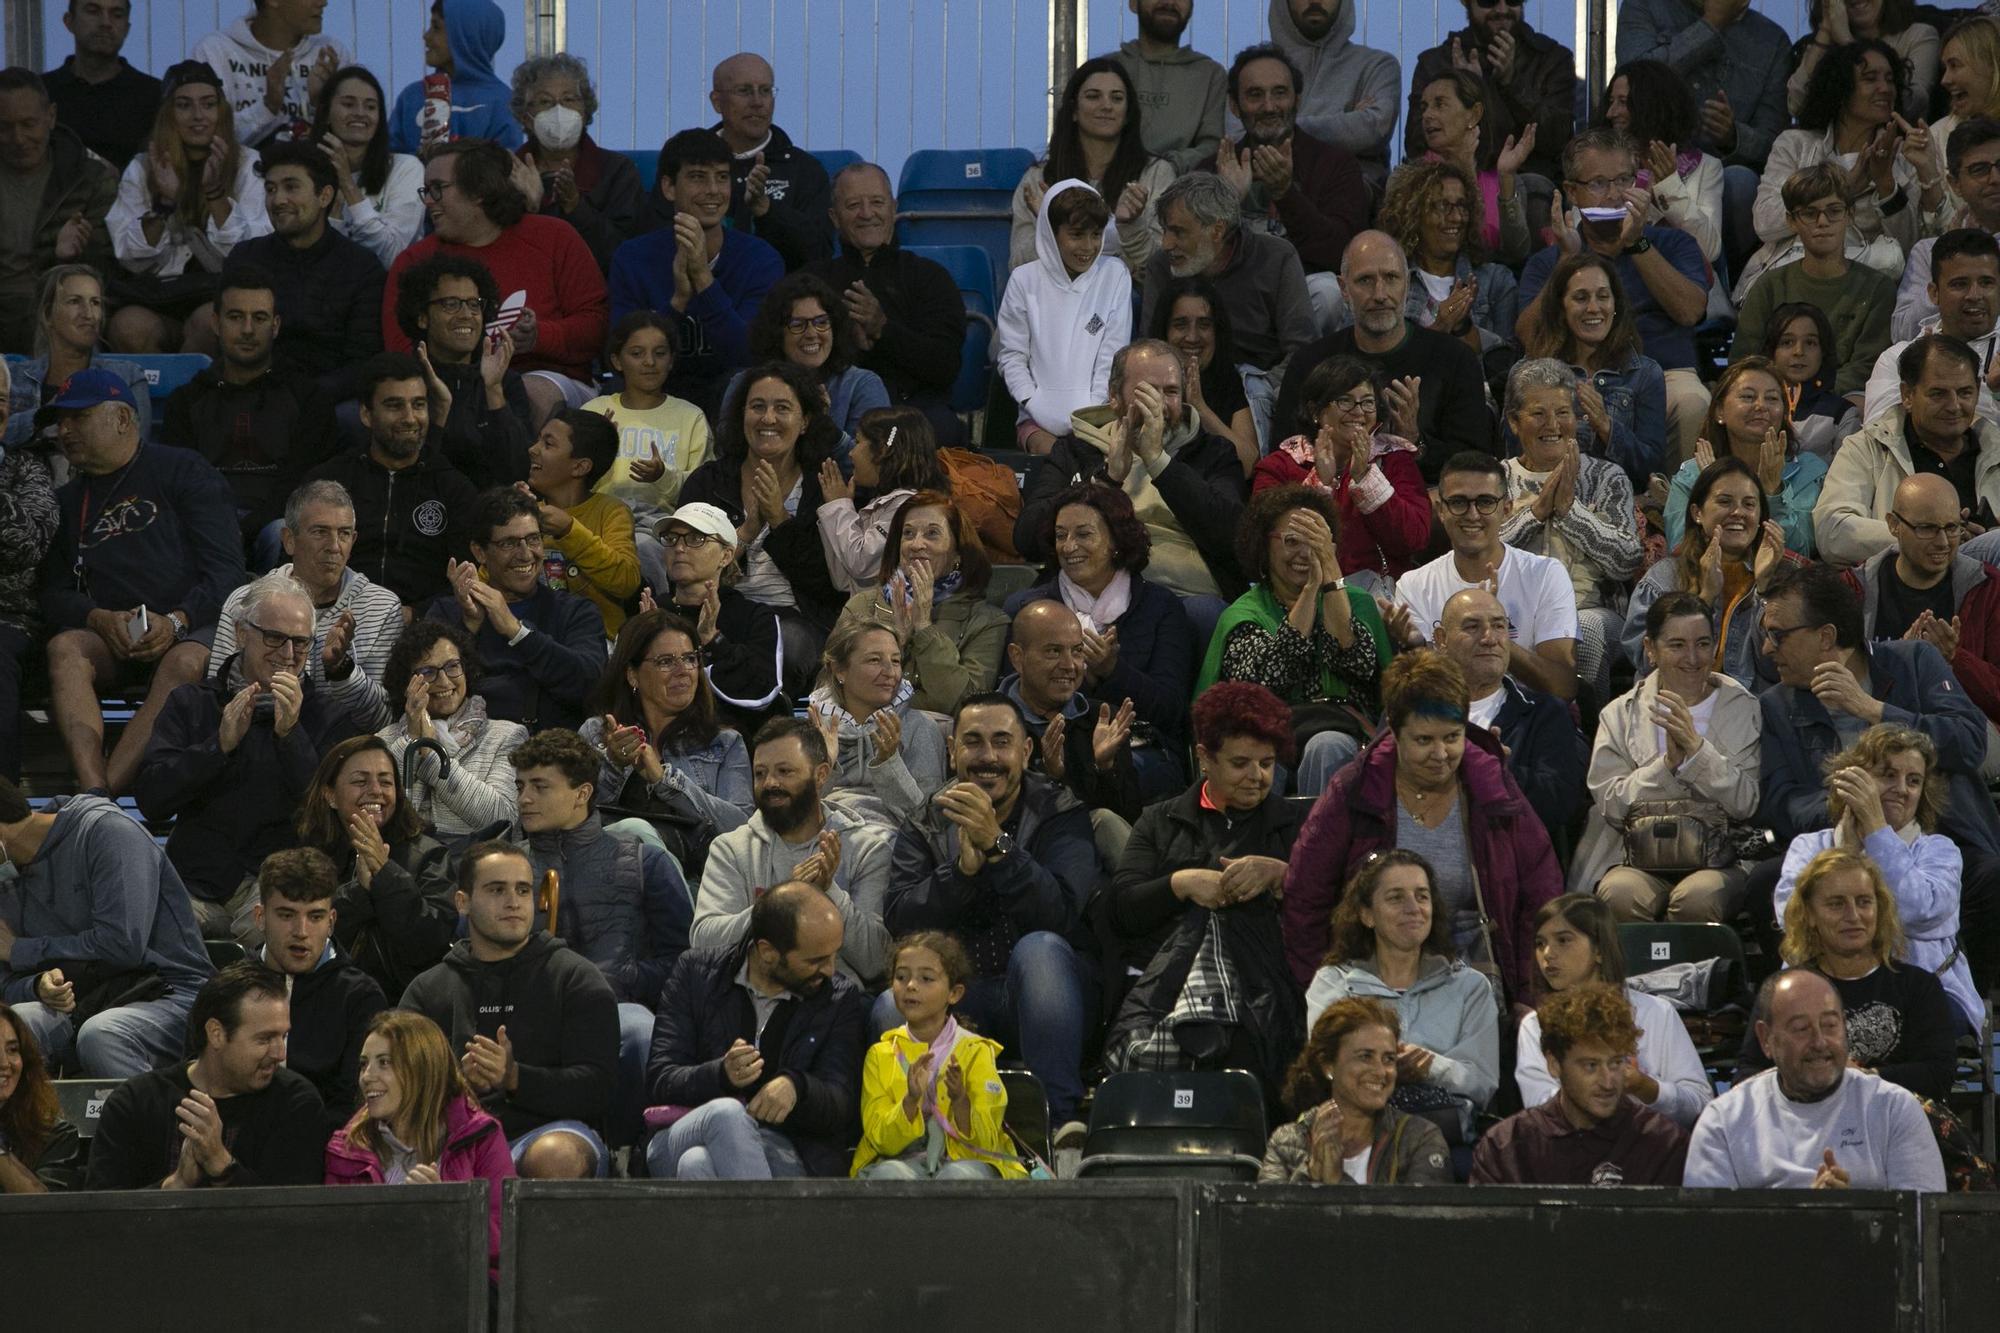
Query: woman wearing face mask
[379, 203]
[1727, 557]
[1884, 796]
[397, 915]
[68, 337]
[1842, 922]
[1750, 418]
[895, 456]
[932, 593]
[1391, 944]
[1685, 733]
[802, 321]
[1576, 944]
[1347, 1133]
[1583, 320]
[1191, 319]
[888, 757]
[560, 167]
[433, 672]
[1198, 880]
[183, 204]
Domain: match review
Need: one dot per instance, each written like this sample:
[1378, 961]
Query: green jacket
[1260, 608]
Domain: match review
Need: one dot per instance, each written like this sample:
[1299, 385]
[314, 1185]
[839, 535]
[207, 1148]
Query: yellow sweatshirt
[676, 430]
[887, 1132]
[596, 558]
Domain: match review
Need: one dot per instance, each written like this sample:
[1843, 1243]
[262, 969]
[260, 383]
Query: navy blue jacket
[329, 304]
[408, 523]
[625, 906]
[1546, 754]
[161, 533]
[544, 680]
[817, 1041]
[1918, 691]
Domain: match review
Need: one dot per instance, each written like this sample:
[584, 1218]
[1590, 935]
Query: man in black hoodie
[536, 1024]
[333, 1001]
[409, 503]
[780, 191]
[478, 409]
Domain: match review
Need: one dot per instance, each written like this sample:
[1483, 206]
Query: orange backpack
[989, 495]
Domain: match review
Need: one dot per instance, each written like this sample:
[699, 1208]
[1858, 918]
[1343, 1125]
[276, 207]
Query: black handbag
[99, 986]
[682, 826]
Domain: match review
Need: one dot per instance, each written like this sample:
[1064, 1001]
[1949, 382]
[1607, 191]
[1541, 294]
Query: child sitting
[1798, 334]
[660, 438]
[932, 1102]
[895, 456]
[1065, 315]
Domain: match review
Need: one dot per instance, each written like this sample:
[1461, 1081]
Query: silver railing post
[24, 34]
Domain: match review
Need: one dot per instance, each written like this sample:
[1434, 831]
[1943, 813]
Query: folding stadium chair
[648, 162]
[82, 1101]
[975, 366]
[168, 372]
[1008, 580]
[971, 269]
[1973, 1069]
[1027, 1110]
[1651, 945]
[961, 197]
[835, 160]
[1206, 1125]
[221, 953]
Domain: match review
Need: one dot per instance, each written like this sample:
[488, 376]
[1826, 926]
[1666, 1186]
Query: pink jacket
[1356, 815]
[475, 1148]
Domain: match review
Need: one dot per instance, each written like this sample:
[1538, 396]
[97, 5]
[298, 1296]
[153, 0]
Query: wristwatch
[1001, 846]
[1638, 247]
[179, 622]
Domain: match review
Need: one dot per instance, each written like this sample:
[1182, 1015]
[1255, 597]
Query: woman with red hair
[1195, 903]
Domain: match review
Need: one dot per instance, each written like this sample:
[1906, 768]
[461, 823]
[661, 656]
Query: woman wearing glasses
[1430, 208]
[801, 322]
[739, 640]
[1452, 115]
[431, 675]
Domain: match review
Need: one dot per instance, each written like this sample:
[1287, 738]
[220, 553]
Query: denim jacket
[1635, 398]
[24, 397]
[1494, 306]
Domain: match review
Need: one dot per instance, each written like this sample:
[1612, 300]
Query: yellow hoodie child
[886, 1132]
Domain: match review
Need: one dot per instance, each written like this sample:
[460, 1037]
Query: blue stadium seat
[648, 162]
[972, 269]
[960, 197]
[975, 366]
[168, 372]
[835, 160]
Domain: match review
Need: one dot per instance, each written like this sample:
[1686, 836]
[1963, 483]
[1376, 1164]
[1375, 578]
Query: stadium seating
[960, 197]
[835, 160]
[1206, 1124]
[648, 162]
[972, 269]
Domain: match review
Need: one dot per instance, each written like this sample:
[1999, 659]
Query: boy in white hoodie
[1065, 315]
[266, 101]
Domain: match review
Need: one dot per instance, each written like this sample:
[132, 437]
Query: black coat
[332, 1006]
[1177, 834]
[261, 436]
[405, 919]
[794, 545]
[329, 304]
[919, 351]
[408, 523]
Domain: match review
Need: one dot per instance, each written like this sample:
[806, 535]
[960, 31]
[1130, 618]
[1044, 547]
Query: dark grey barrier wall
[1961, 1263]
[304, 1260]
[833, 1256]
[1498, 1260]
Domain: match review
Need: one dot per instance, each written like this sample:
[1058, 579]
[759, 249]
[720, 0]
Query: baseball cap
[186, 72]
[704, 518]
[91, 387]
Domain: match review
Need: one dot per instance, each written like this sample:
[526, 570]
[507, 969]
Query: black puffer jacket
[405, 919]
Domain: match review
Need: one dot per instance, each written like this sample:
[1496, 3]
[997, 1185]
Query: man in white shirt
[1810, 1121]
[1972, 165]
[1536, 591]
[1965, 288]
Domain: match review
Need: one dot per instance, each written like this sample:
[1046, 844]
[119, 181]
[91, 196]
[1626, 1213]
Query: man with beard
[1257, 276]
[1530, 82]
[1081, 742]
[763, 1040]
[1972, 169]
[329, 288]
[1004, 859]
[1179, 89]
[1292, 184]
[1810, 1121]
[1187, 486]
[478, 403]
[795, 837]
[543, 648]
[410, 506]
[232, 1116]
[1350, 94]
[535, 1024]
[1436, 395]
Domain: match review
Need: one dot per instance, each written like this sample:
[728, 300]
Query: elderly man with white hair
[232, 755]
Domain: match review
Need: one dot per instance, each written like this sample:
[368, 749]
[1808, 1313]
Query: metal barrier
[1961, 1277]
[305, 1260]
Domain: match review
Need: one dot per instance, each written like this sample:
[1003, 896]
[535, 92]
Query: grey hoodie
[1181, 98]
[100, 890]
[1451, 1010]
[1336, 73]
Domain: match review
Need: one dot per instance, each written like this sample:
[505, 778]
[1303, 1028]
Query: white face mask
[559, 127]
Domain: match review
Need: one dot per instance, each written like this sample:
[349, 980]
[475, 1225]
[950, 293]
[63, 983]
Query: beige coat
[1628, 765]
[1850, 520]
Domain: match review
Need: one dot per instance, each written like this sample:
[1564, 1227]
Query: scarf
[937, 1125]
[468, 724]
[948, 586]
[1106, 609]
[824, 699]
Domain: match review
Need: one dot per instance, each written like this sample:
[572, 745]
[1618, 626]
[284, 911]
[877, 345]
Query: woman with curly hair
[38, 1148]
[1428, 208]
[803, 322]
[1653, 107]
[1319, 645]
[1195, 898]
[433, 676]
[1433, 785]
[1836, 23]
[1582, 319]
[1452, 115]
[1884, 795]
[1347, 1132]
[598, 193]
[1095, 138]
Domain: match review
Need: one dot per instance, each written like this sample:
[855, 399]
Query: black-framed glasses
[1931, 531]
[1485, 504]
[1603, 183]
[665, 662]
[451, 670]
[277, 643]
[433, 193]
[1829, 213]
[513, 545]
[689, 541]
[799, 324]
[457, 305]
[1978, 171]
[1777, 634]
[1347, 407]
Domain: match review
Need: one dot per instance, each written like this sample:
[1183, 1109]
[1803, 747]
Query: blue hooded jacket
[474, 29]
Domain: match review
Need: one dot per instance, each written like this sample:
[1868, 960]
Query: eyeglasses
[1450, 208]
[761, 90]
[1485, 504]
[818, 323]
[1926, 532]
[665, 662]
[278, 643]
[452, 670]
[1830, 213]
[1603, 183]
[1776, 635]
[689, 541]
[433, 192]
[1978, 171]
[514, 545]
[458, 305]
[1348, 407]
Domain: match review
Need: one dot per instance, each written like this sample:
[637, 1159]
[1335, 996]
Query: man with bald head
[1437, 392]
[780, 192]
[905, 310]
[1080, 741]
[763, 1039]
[1811, 1121]
[1545, 752]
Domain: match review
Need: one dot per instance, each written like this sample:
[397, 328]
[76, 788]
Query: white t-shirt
[1755, 1137]
[1701, 713]
[1483, 711]
[1355, 1168]
[1535, 591]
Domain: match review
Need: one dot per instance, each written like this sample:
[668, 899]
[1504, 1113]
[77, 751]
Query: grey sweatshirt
[1181, 98]
[1338, 73]
[745, 862]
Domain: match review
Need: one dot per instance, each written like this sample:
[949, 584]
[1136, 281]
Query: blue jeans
[1160, 773]
[720, 1141]
[628, 1091]
[906, 1168]
[519, 1147]
[1042, 1008]
[1324, 755]
[1984, 548]
[125, 1042]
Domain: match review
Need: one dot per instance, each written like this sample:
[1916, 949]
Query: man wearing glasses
[1972, 167]
[443, 307]
[779, 191]
[1936, 429]
[1530, 79]
[232, 755]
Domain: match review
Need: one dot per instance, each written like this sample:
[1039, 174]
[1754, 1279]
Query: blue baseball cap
[92, 387]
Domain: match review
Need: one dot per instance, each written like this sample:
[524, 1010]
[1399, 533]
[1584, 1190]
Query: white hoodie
[1058, 333]
[241, 62]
